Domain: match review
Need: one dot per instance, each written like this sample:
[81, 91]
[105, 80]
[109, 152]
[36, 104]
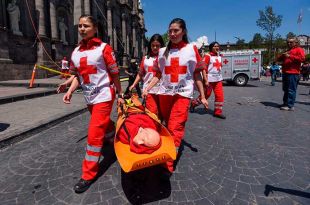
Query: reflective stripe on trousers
[99, 124]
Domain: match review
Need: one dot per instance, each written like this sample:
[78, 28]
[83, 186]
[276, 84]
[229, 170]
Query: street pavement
[27, 111]
[258, 155]
[24, 111]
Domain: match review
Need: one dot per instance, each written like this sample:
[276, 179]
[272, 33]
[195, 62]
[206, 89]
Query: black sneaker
[82, 185]
[221, 116]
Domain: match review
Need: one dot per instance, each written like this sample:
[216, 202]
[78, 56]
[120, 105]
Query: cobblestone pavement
[258, 155]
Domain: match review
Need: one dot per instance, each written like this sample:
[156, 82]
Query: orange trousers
[174, 111]
[217, 87]
[152, 102]
[100, 124]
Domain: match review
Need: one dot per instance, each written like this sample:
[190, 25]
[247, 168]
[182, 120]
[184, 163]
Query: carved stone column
[41, 17]
[3, 17]
[124, 34]
[42, 45]
[110, 22]
[53, 21]
[127, 46]
[4, 48]
[86, 7]
[134, 44]
[77, 12]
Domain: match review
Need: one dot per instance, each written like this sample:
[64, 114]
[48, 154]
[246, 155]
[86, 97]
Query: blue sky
[228, 18]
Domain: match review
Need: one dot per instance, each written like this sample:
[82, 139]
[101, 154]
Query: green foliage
[257, 41]
[240, 43]
[290, 35]
[269, 22]
[165, 38]
[308, 57]
[279, 42]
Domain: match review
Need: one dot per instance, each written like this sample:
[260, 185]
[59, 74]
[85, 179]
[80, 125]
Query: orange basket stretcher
[130, 161]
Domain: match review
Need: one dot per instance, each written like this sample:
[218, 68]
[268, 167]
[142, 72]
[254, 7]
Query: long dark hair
[90, 18]
[212, 45]
[155, 37]
[182, 24]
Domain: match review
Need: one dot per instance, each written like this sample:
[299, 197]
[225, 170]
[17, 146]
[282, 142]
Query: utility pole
[215, 35]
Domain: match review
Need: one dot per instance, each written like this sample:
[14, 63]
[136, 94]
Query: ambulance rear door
[227, 67]
[255, 65]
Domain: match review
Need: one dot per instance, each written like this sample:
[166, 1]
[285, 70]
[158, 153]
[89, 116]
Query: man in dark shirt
[132, 72]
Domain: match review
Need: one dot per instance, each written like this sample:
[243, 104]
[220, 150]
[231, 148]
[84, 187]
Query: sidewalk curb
[32, 131]
[22, 84]
[27, 96]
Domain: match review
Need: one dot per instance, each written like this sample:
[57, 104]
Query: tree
[269, 22]
[165, 38]
[240, 42]
[290, 35]
[257, 41]
[279, 42]
[307, 58]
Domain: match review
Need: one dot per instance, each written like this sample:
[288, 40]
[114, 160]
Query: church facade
[44, 31]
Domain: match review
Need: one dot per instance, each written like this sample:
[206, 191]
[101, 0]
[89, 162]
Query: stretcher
[130, 161]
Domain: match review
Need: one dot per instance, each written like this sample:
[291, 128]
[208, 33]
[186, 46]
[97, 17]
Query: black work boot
[82, 185]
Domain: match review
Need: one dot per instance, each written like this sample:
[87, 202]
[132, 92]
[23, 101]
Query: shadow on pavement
[4, 126]
[181, 149]
[202, 111]
[81, 139]
[269, 188]
[109, 158]
[303, 103]
[271, 104]
[146, 185]
[231, 84]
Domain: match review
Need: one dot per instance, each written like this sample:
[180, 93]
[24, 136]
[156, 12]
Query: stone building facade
[44, 31]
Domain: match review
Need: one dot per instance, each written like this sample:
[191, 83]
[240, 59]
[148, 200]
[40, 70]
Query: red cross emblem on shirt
[254, 60]
[225, 61]
[150, 69]
[175, 69]
[217, 64]
[85, 70]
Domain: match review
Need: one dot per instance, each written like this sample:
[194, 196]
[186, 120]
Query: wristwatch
[121, 95]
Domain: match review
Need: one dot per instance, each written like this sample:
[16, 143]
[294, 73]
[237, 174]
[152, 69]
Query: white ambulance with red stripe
[240, 66]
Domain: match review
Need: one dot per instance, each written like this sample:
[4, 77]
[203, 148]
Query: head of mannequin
[147, 137]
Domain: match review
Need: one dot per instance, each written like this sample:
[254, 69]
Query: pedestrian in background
[305, 70]
[213, 80]
[274, 69]
[64, 67]
[178, 65]
[147, 72]
[96, 70]
[291, 63]
[132, 72]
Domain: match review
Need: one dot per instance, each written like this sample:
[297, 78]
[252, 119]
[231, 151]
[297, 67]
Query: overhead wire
[101, 12]
[37, 35]
[38, 38]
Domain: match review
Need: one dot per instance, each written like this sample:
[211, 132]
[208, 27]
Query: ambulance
[241, 66]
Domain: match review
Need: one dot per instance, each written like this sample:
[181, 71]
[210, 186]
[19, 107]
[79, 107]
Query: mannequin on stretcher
[141, 140]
